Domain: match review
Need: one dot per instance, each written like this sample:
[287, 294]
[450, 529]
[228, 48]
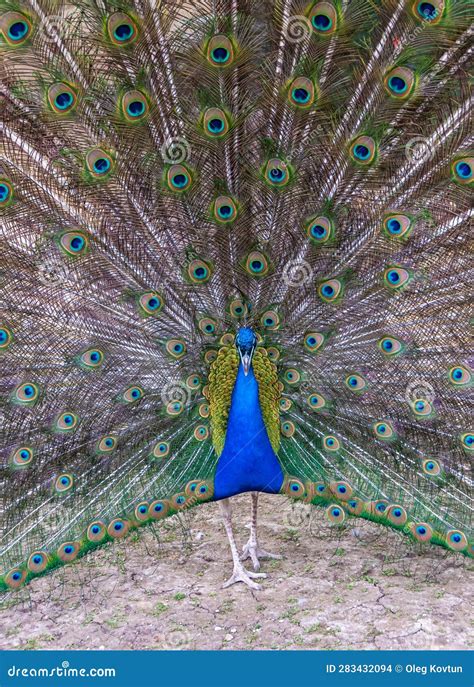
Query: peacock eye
[431, 12]
[292, 376]
[467, 441]
[422, 408]
[63, 483]
[208, 326]
[356, 382]
[134, 106]
[132, 394]
[431, 467]
[6, 193]
[15, 27]
[74, 243]
[270, 320]
[238, 308]
[220, 51]
[277, 172]
[141, 511]
[384, 430]
[397, 226]
[224, 209]
[62, 98]
[174, 408]
[176, 348]
[314, 341]
[67, 422]
[151, 303]
[179, 178]
[193, 382]
[26, 394]
[161, 449]
[363, 150]
[390, 346]
[199, 271]
[201, 433]
[257, 264]
[330, 290]
[22, 457]
[319, 230]
[456, 540]
[396, 278]
[316, 401]
[460, 375]
[121, 29]
[462, 170]
[107, 444]
[215, 122]
[399, 82]
[5, 338]
[99, 163]
[323, 18]
[92, 359]
[396, 515]
[331, 443]
[301, 92]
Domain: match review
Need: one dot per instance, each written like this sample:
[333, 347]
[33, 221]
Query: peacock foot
[240, 574]
[255, 553]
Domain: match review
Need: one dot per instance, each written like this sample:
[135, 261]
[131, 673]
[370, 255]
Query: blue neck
[248, 462]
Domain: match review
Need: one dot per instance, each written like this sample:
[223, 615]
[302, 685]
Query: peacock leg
[240, 574]
[251, 548]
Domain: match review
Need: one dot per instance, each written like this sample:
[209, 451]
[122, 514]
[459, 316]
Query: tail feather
[302, 168]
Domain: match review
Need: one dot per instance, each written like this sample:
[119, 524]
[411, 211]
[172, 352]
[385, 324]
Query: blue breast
[248, 462]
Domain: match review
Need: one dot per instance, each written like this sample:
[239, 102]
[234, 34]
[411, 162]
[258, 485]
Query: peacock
[235, 257]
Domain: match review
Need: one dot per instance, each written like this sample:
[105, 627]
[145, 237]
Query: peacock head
[246, 342]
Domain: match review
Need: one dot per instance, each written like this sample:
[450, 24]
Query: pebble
[228, 637]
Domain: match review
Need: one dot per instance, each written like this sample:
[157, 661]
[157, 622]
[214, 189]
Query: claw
[252, 551]
[240, 574]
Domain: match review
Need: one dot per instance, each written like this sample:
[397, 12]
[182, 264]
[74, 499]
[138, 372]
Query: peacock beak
[246, 359]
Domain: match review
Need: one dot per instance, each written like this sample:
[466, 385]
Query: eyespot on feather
[16, 28]
[220, 51]
[62, 98]
[323, 18]
[122, 30]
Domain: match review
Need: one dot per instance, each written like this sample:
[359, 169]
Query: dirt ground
[359, 587]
